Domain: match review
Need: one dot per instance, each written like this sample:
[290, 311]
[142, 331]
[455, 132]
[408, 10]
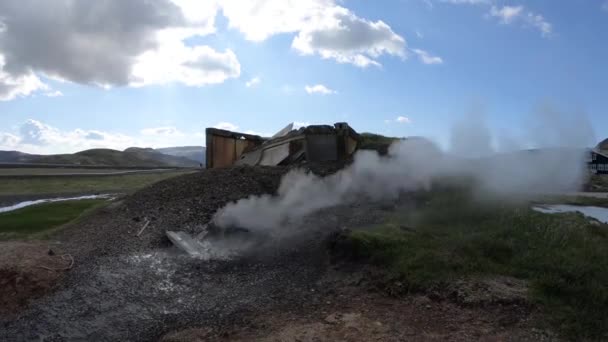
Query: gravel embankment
[129, 288]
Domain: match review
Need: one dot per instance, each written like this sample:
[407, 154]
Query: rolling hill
[133, 156]
[195, 153]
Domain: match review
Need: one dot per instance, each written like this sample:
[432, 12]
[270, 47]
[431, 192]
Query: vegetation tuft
[43, 217]
[451, 236]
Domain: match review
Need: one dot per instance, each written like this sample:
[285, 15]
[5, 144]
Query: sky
[77, 74]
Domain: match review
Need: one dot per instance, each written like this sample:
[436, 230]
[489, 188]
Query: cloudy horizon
[76, 75]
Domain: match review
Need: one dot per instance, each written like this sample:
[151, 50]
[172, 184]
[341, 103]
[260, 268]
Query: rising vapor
[557, 165]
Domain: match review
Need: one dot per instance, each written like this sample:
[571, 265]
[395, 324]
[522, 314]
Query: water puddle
[49, 200]
[598, 213]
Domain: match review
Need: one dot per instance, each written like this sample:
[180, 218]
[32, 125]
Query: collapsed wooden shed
[313, 143]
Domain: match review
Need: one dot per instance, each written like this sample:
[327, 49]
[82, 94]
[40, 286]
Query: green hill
[133, 156]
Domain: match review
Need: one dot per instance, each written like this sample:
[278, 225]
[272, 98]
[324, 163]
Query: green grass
[28, 221]
[565, 257]
[50, 171]
[598, 183]
[88, 184]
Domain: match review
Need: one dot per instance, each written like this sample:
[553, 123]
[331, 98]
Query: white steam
[557, 165]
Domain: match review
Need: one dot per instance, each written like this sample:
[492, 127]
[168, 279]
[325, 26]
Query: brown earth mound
[27, 271]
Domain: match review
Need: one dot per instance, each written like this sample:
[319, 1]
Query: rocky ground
[125, 287]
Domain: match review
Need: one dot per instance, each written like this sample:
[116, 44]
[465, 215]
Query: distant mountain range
[196, 153]
[187, 156]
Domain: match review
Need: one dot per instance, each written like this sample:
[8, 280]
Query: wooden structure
[598, 162]
[225, 147]
[313, 143]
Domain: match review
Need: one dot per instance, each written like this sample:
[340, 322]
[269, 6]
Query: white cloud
[253, 82]
[426, 57]
[55, 93]
[400, 120]
[12, 87]
[37, 137]
[173, 61]
[605, 6]
[322, 27]
[403, 119]
[419, 34]
[34, 136]
[512, 14]
[8, 141]
[319, 89]
[126, 43]
[226, 125]
[143, 42]
[260, 19]
[506, 14]
[539, 22]
[342, 36]
[165, 131]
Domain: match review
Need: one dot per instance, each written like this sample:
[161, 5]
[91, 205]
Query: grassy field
[450, 237]
[51, 171]
[56, 185]
[34, 220]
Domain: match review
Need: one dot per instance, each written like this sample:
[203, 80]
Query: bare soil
[28, 270]
[350, 307]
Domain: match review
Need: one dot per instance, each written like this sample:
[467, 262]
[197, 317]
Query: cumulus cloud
[37, 137]
[12, 87]
[323, 28]
[346, 38]
[319, 89]
[426, 58]
[226, 125]
[512, 14]
[173, 61]
[34, 136]
[108, 43]
[253, 82]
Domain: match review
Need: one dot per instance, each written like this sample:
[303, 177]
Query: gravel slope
[124, 287]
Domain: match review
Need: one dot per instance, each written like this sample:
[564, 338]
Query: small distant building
[313, 143]
[598, 162]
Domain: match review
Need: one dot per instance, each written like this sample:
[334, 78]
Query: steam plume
[414, 163]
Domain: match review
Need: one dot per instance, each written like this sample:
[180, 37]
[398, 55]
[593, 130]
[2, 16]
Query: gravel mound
[125, 287]
[183, 203]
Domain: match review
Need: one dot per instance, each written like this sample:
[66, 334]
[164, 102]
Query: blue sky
[402, 68]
